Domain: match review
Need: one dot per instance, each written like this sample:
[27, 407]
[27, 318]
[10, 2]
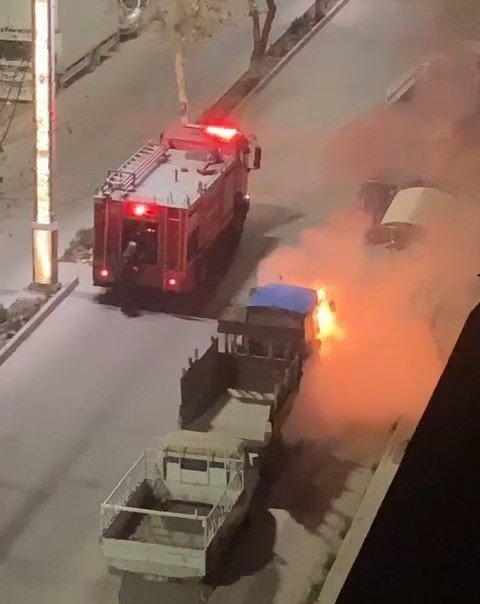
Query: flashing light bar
[226, 134]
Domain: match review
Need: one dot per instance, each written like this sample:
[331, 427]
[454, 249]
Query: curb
[366, 513]
[29, 327]
[289, 56]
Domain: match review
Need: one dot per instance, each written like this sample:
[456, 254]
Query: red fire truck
[182, 199]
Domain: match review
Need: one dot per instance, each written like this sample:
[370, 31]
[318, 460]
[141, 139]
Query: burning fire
[326, 317]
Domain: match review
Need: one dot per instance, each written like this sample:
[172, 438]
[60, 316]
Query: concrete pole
[44, 228]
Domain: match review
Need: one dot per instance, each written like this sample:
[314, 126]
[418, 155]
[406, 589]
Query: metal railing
[198, 530]
[118, 498]
[223, 507]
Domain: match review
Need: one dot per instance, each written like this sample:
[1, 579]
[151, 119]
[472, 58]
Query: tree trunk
[181, 85]
[261, 35]
[319, 10]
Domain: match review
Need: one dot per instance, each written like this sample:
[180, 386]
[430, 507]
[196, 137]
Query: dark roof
[301, 300]
[424, 544]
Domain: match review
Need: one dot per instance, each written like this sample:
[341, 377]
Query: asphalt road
[84, 395]
[104, 117]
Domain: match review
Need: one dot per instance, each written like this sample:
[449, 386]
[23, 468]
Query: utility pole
[44, 228]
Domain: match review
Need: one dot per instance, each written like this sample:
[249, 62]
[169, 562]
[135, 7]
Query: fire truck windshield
[145, 234]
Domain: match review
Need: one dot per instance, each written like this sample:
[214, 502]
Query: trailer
[183, 200]
[85, 32]
[172, 515]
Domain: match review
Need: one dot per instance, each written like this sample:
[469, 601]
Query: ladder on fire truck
[138, 167]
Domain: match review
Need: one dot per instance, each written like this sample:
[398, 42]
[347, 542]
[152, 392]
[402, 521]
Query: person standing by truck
[129, 279]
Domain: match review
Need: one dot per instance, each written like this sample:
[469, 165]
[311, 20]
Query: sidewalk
[381, 481]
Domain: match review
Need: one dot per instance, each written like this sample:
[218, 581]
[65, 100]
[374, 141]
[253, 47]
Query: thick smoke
[401, 313]
[387, 362]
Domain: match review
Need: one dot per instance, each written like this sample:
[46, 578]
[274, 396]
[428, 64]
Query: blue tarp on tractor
[287, 297]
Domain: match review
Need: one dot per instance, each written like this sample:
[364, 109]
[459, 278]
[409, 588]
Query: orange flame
[326, 318]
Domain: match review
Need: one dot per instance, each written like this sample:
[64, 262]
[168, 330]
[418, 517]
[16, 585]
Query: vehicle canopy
[211, 444]
[274, 313]
[413, 206]
[291, 298]
[409, 215]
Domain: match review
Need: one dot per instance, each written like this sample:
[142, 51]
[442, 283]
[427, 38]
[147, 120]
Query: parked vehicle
[85, 32]
[183, 200]
[406, 219]
[440, 69]
[174, 512]
[135, 14]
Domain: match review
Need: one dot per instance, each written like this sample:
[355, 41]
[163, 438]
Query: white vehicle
[135, 14]
[438, 68]
[86, 31]
[169, 515]
[173, 513]
[407, 217]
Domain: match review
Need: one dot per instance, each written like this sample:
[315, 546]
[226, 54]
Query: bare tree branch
[267, 25]
[254, 14]
[186, 22]
[261, 35]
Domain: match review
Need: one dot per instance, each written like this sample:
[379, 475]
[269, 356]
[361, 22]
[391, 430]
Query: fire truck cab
[182, 199]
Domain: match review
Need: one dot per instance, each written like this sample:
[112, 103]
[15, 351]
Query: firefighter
[129, 279]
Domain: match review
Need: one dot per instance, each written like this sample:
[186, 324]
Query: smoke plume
[400, 313]
[386, 364]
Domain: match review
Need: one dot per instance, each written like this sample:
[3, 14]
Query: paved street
[83, 396]
[105, 116]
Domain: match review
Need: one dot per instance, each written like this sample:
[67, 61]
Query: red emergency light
[104, 273]
[172, 282]
[226, 134]
[139, 209]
